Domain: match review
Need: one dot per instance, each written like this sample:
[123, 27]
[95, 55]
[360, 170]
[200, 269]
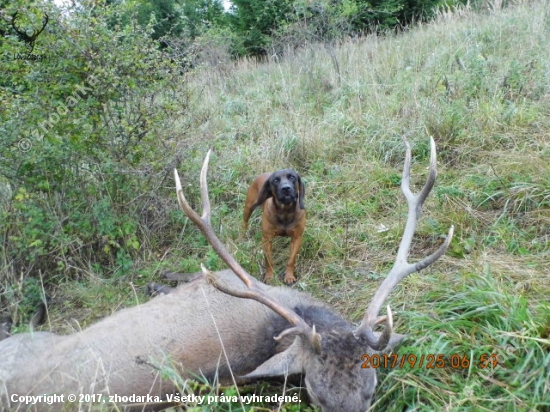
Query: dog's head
[286, 188]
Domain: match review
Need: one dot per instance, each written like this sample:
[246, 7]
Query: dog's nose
[286, 188]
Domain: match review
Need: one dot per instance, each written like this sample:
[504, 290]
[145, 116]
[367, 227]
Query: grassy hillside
[480, 85]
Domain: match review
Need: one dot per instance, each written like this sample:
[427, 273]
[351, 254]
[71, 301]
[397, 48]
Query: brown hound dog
[282, 195]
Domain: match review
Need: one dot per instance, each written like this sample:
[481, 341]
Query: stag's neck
[325, 321]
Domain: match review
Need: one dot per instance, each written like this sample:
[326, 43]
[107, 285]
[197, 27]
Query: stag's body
[184, 329]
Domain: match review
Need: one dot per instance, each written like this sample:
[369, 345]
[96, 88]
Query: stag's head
[322, 346]
[329, 360]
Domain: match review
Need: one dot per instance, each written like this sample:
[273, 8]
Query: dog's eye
[276, 180]
[291, 177]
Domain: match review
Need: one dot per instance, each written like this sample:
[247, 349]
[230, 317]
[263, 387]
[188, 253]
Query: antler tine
[205, 198]
[13, 17]
[402, 267]
[252, 290]
[44, 22]
[203, 222]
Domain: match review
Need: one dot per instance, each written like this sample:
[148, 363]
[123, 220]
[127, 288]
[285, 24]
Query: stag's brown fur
[179, 329]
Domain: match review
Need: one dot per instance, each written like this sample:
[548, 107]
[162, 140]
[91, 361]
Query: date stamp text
[429, 361]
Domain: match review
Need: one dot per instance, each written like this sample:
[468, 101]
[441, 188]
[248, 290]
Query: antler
[402, 267]
[252, 290]
[23, 34]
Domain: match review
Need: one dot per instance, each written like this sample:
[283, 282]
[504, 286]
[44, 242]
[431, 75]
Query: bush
[83, 139]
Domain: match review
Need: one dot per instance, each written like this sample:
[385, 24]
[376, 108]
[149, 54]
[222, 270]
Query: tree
[254, 21]
[201, 15]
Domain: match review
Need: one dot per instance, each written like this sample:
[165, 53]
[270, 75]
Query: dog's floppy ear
[265, 193]
[301, 192]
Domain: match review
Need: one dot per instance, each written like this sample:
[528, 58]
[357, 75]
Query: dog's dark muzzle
[287, 195]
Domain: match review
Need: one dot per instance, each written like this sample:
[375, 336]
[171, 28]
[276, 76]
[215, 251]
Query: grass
[477, 83]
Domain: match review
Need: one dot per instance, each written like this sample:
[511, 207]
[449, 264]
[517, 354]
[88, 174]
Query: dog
[281, 194]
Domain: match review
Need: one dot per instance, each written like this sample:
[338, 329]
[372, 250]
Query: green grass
[477, 83]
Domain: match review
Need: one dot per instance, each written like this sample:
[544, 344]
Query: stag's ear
[289, 362]
[301, 193]
[265, 193]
